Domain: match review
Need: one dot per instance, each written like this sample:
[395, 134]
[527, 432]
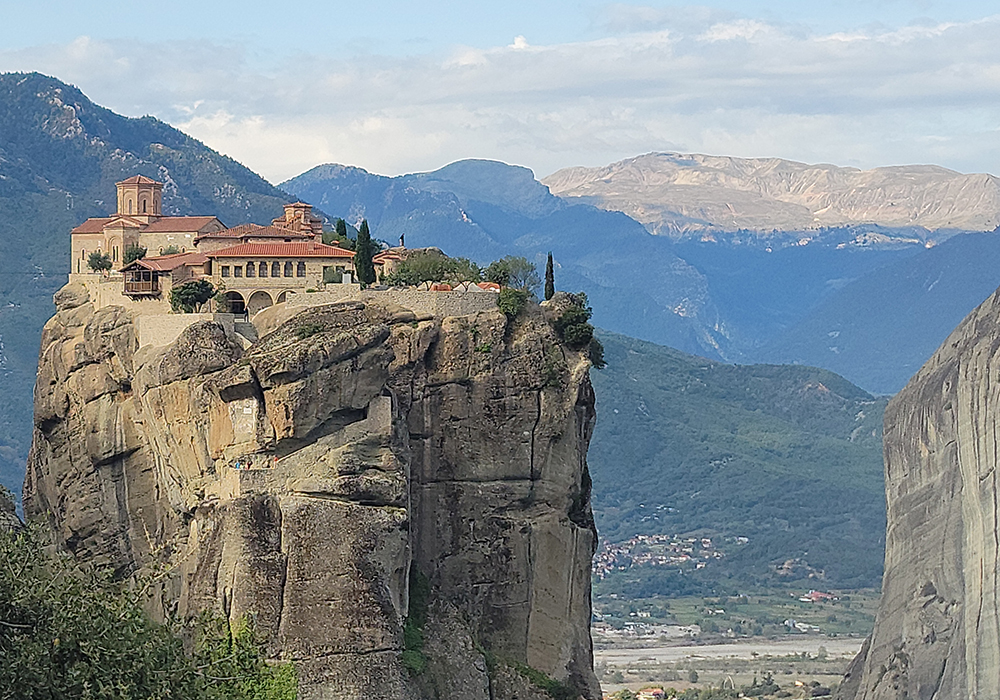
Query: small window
[276, 269]
[144, 206]
[288, 269]
[251, 269]
[225, 270]
[237, 271]
[130, 206]
[114, 252]
[300, 269]
[262, 270]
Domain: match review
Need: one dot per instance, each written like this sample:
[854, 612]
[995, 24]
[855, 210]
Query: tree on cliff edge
[550, 279]
[364, 268]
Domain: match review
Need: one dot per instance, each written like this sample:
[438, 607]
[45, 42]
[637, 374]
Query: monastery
[256, 266]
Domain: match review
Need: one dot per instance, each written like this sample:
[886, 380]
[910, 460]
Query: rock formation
[937, 631]
[680, 194]
[310, 479]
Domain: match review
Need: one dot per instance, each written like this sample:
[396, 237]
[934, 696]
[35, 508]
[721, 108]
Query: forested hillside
[788, 457]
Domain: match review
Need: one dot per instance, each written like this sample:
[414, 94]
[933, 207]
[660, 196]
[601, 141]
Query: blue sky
[402, 86]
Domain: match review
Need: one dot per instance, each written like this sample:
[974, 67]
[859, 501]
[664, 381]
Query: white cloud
[707, 83]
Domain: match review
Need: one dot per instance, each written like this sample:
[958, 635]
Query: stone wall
[423, 304]
[108, 291]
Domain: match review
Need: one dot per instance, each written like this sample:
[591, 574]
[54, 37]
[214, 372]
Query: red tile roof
[256, 231]
[387, 255]
[139, 180]
[164, 224]
[282, 250]
[166, 263]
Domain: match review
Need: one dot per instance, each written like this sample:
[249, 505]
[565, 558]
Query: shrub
[307, 330]
[68, 633]
[433, 266]
[188, 297]
[512, 301]
[513, 271]
[134, 252]
[413, 627]
[98, 261]
[574, 328]
[170, 250]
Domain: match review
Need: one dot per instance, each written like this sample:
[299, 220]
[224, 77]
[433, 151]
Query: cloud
[693, 80]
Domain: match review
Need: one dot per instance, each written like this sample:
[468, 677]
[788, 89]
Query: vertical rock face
[307, 480]
[937, 632]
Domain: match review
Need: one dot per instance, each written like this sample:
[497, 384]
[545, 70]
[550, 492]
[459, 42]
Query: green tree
[550, 279]
[363, 266]
[188, 297]
[171, 250]
[99, 262]
[433, 266]
[69, 633]
[133, 252]
[513, 271]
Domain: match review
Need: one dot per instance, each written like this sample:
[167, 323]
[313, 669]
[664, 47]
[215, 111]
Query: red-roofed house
[155, 276]
[259, 274]
[138, 220]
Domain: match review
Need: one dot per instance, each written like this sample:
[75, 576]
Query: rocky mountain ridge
[353, 460]
[678, 195]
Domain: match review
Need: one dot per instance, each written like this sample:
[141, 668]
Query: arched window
[262, 270]
[288, 269]
[130, 206]
[300, 269]
[251, 269]
[114, 252]
[144, 206]
[276, 269]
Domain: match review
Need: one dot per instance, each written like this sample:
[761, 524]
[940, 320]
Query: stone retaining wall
[422, 303]
[163, 329]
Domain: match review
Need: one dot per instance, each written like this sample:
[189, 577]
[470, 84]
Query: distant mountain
[788, 457]
[485, 209]
[880, 328]
[60, 155]
[680, 195]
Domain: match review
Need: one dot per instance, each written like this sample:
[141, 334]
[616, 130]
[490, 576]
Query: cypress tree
[341, 228]
[550, 279]
[363, 266]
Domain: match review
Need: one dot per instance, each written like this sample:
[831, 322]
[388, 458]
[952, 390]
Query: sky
[397, 87]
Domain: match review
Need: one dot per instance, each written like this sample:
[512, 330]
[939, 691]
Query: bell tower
[140, 198]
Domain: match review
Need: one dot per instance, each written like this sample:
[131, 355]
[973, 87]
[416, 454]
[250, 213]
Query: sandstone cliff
[937, 631]
[309, 479]
[677, 194]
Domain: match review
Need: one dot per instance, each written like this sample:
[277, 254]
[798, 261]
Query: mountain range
[868, 300]
[680, 194]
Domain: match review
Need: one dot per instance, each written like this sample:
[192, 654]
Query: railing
[149, 287]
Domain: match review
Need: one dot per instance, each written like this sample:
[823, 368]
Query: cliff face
[937, 632]
[310, 478]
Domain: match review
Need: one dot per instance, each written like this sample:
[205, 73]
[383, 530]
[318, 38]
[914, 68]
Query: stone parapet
[423, 303]
[163, 329]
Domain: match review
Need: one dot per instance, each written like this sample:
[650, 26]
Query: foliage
[307, 330]
[67, 633]
[222, 304]
[7, 502]
[134, 252]
[433, 266]
[512, 301]
[574, 328]
[759, 688]
[365, 250]
[98, 261]
[171, 250]
[787, 456]
[339, 236]
[551, 687]
[331, 275]
[188, 297]
[513, 271]
[550, 279]
[413, 628]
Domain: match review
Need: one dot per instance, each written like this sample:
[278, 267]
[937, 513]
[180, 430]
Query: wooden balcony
[141, 283]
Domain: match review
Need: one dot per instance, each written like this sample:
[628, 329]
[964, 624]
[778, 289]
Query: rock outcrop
[349, 455]
[937, 631]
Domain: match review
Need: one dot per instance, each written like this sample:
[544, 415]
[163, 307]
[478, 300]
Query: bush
[67, 633]
[170, 250]
[513, 271]
[188, 297]
[512, 301]
[574, 328]
[134, 252]
[433, 266]
[99, 262]
[413, 627]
